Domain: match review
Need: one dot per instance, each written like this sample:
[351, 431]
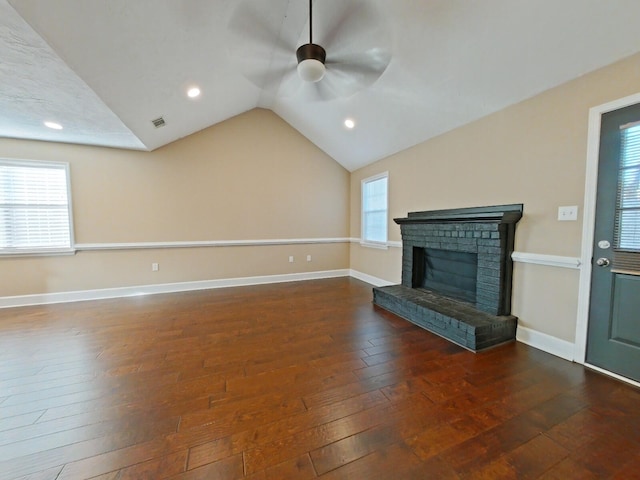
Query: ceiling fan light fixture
[311, 70]
[311, 58]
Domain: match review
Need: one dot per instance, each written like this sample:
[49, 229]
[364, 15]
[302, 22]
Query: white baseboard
[375, 281]
[563, 349]
[78, 296]
[546, 343]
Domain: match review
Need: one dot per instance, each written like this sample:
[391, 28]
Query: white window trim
[24, 252]
[369, 243]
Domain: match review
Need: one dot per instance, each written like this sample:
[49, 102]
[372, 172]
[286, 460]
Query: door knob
[603, 262]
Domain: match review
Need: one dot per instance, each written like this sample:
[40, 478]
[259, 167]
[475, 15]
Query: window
[627, 231]
[374, 209]
[35, 207]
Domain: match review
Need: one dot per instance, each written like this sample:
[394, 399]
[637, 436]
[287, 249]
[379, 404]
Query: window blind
[374, 209]
[627, 216]
[34, 207]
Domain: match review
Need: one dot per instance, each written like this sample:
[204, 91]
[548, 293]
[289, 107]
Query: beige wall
[253, 177]
[532, 153]
[250, 178]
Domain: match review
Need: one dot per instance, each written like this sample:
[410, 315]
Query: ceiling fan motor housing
[311, 51]
[311, 58]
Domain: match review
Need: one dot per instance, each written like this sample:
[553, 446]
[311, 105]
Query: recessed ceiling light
[349, 123]
[193, 92]
[54, 125]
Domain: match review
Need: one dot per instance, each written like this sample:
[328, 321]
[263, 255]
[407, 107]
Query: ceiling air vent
[158, 122]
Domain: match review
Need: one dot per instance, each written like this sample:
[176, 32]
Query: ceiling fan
[352, 54]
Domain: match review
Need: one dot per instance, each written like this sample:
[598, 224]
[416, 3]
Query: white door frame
[588, 224]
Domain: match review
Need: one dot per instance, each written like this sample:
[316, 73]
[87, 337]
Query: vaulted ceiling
[104, 69]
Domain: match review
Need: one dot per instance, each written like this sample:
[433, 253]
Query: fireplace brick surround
[467, 304]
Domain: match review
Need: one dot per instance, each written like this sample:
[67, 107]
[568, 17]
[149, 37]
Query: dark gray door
[614, 315]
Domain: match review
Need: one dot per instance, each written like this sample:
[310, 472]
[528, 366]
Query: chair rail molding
[207, 243]
[548, 260]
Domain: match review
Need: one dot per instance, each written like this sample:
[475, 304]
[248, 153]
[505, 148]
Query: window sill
[37, 253]
[378, 245]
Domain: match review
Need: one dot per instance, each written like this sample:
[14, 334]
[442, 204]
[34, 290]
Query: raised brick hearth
[456, 274]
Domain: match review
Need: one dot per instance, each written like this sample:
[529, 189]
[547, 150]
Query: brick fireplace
[457, 273]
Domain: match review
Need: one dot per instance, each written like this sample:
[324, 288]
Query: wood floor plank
[274, 431]
[156, 469]
[49, 474]
[202, 454]
[35, 383]
[291, 381]
[229, 415]
[395, 461]
[347, 450]
[299, 468]
[267, 455]
[16, 449]
[314, 438]
[17, 421]
[570, 469]
[536, 456]
[228, 469]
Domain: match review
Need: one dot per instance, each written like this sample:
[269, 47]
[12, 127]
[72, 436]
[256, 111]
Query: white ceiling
[105, 68]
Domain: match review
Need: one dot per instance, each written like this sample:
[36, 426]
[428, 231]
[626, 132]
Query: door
[613, 341]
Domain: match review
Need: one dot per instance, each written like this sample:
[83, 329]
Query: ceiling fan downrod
[311, 57]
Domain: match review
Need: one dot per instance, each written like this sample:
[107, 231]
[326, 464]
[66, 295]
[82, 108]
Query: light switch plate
[568, 214]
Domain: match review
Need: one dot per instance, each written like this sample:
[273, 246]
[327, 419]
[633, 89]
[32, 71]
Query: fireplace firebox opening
[452, 274]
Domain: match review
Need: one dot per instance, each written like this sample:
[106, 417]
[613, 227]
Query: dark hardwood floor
[292, 381]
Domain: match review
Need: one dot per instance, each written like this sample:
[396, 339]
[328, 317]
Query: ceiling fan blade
[353, 26]
[251, 30]
[329, 29]
[258, 44]
[358, 45]
[265, 78]
[362, 69]
[339, 84]
[374, 60]
[290, 85]
[327, 89]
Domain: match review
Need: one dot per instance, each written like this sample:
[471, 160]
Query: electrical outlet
[308, 258]
[291, 259]
[155, 267]
[568, 214]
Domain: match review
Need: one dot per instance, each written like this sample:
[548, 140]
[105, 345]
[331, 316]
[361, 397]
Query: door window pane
[627, 228]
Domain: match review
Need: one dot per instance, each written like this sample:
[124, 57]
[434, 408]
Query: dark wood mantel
[499, 214]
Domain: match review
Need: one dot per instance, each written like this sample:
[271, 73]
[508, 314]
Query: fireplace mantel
[507, 214]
